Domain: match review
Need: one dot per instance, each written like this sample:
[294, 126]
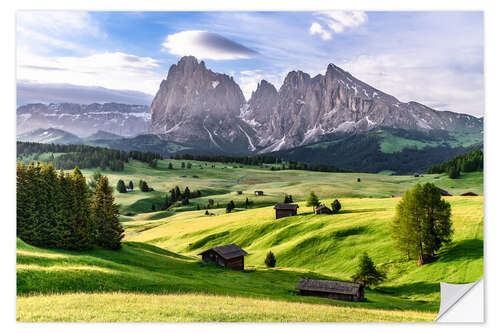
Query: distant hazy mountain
[197, 106]
[84, 119]
[49, 135]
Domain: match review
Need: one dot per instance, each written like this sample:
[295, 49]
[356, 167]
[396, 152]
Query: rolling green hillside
[157, 275]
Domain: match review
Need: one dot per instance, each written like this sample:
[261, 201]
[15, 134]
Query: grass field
[157, 275]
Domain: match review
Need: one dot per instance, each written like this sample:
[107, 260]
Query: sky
[434, 58]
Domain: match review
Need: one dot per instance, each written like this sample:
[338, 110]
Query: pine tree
[454, 172]
[170, 166]
[121, 187]
[183, 165]
[270, 260]
[246, 202]
[65, 228]
[189, 165]
[312, 200]
[131, 185]
[178, 194]
[82, 233]
[367, 274]
[94, 180]
[187, 193]
[109, 231]
[336, 206]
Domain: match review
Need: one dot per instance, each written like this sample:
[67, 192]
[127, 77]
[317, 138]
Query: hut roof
[227, 251]
[286, 206]
[330, 286]
[444, 192]
[469, 194]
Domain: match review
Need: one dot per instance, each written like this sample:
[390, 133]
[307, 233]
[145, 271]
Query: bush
[270, 259]
[336, 206]
[121, 187]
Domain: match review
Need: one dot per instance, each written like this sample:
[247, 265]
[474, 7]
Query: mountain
[197, 106]
[84, 119]
[49, 135]
[103, 135]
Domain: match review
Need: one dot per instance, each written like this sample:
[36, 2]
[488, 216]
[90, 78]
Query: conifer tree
[178, 194]
[336, 206]
[82, 233]
[367, 274]
[121, 186]
[270, 260]
[131, 185]
[109, 231]
[187, 193]
[246, 202]
[312, 200]
[65, 228]
[94, 180]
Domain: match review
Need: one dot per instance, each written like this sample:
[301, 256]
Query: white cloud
[336, 21]
[41, 30]
[317, 28]
[427, 80]
[206, 45]
[110, 70]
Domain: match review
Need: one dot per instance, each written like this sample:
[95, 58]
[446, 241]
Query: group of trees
[422, 224]
[248, 160]
[58, 209]
[83, 156]
[176, 195]
[288, 198]
[468, 162]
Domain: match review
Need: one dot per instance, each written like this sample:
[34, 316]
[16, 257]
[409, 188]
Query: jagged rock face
[308, 108]
[196, 105]
[84, 120]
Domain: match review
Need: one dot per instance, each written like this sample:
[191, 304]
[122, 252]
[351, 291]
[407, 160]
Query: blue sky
[435, 58]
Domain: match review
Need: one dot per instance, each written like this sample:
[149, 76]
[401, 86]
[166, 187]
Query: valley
[157, 275]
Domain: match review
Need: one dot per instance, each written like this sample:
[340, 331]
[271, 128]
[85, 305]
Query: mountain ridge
[197, 105]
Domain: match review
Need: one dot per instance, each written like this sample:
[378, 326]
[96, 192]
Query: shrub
[270, 259]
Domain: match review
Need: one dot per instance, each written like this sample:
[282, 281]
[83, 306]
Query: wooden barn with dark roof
[229, 256]
[345, 291]
[285, 209]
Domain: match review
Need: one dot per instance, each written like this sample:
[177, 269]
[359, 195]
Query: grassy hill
[157, 275]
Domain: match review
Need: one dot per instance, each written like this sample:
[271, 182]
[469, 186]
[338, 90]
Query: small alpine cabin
[444, 193]
[469, 194]
[285, 209]
[345, 291]
[322, 210]
[229, 256]
[258, 192]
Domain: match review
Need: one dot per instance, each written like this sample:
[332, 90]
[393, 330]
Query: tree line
[468, 162]
[84, 156]
[59, 210]
[247, 160]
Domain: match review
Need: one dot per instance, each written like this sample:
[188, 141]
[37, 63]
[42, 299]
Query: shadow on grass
[410, 289]
[467, 249]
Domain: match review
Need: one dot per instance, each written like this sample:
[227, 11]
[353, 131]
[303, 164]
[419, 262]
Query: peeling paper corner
[461, 303]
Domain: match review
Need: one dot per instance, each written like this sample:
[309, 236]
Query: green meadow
[157, 275]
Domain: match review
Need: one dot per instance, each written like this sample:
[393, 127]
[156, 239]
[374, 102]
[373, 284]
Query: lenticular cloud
[206, 45]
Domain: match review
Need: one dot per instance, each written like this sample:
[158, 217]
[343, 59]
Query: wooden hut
[444, 193]
[322, 210]
[239, 192]
[285, 209]
[345, 291]
[468, 194]
[229, 256]
[258, 192]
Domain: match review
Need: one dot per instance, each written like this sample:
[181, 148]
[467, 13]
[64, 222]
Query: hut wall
[342, 297]
[285, 213]
[236, 264]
